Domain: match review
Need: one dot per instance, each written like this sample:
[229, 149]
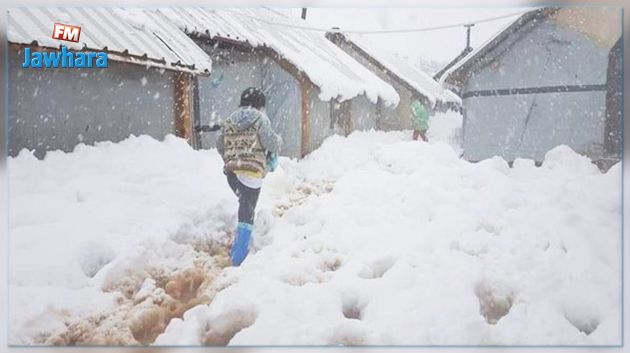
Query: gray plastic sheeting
[233, 72]
[57, 109]
[528, 125]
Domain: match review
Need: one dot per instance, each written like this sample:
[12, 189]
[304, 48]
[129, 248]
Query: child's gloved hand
[272, 161]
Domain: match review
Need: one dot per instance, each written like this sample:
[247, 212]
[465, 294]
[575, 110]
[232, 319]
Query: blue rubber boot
[241, 243]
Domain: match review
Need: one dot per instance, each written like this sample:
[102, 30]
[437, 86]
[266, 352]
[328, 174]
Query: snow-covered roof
[336, 73]
[131, 35]
[414, 77]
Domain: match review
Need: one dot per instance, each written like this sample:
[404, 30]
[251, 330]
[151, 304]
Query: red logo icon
[65, 32]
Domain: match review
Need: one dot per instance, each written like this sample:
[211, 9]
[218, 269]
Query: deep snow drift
[371, 239]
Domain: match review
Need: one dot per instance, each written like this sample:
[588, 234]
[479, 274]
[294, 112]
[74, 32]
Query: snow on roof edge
[336, 73]
[449, 96]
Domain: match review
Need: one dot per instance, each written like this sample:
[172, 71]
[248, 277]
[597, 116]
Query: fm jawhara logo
[64, 58]
[66, 32]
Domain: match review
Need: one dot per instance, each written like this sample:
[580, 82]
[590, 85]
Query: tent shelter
[146, 88]
[313, 88]
[551, 77]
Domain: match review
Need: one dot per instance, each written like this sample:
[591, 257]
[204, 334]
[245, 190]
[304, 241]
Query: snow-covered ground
[371, 239]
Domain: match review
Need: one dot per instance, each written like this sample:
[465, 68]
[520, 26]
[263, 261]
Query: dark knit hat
[252, 97]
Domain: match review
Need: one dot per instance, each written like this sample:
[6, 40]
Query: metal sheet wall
[56, 109]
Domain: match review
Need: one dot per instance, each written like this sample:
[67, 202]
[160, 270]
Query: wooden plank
[196, 114]
[183, 107]
[306, 88]
[346, 113]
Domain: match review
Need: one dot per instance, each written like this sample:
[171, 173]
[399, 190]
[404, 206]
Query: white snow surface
[82, 221]
[371, 239]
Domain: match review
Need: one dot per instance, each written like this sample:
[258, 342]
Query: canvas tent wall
[409, 82]
[146, 88]
[542, 82]
[302, 73]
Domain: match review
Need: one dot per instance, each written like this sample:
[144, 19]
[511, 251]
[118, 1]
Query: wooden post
[346, 108]
[183, 106]
[306, 89]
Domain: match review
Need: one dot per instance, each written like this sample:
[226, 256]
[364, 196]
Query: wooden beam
[306, 89]
[183, 106]
[346, 108]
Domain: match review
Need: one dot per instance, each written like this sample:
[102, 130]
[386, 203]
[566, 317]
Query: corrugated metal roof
[147, 35]
[336, 74]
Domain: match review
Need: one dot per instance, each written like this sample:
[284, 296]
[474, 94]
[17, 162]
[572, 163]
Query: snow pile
[446, 127]
[371, 239]
[88, 228]
[402, 242]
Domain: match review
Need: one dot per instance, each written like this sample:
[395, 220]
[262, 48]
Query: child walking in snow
[420, 119]
[249, 148]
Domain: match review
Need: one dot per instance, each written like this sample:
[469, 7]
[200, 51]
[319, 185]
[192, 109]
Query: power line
[383, 31]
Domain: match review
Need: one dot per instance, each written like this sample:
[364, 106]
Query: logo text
[64, 59]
